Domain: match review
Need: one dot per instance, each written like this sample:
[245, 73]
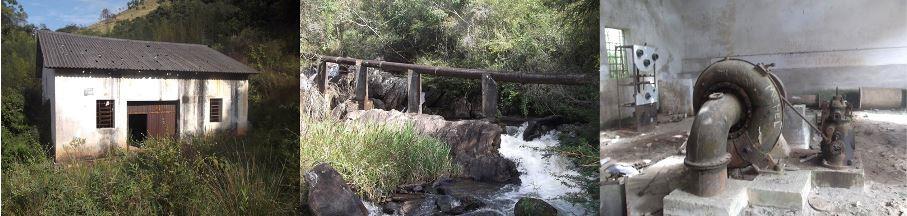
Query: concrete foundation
[646, 191]
[849, 178]
[616, 205]
[731, 202]
[788, 190]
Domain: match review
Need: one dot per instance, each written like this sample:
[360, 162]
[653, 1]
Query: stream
[541, 173]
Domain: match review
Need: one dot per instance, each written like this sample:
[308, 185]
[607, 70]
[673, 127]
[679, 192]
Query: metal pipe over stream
[499, 76]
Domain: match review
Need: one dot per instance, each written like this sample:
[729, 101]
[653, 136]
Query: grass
[106, 25]
[213, 175]
[375, 158]
[582, 148]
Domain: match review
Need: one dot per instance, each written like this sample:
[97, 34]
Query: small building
[105, 91]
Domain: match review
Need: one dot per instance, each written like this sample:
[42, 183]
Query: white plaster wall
[653, 22]
[825, 43]
[75, 93]
[656, 23]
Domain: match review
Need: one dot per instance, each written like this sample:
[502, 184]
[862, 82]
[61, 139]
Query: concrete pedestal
[729, 203]
[789, 190]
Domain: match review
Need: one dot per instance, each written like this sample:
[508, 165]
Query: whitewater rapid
[542, 175]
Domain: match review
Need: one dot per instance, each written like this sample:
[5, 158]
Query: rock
[620, 169]
[460, 109]
[466, 204]
[343, 109]
[424, 206]
[390, 89]
[390, 208]
[378, 103]
[533, 206]
[490, 168]
[484, 212]
[465, 188]
[399, 197]
[446, 203]
[411, 188]
[329, 194]
[538, 127]
[474, 143]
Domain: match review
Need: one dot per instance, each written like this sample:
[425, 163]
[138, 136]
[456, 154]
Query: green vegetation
[376, 158]
[537, 36]
[194, 176]
[135, 8]
[216, 175]
[586, 157]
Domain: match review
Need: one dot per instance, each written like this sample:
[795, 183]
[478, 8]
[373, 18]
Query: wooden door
[161, 116]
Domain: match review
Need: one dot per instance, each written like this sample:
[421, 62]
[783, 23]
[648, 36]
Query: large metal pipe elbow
[707, 148]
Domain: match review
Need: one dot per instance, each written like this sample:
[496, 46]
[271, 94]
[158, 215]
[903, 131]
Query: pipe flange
[710, 164]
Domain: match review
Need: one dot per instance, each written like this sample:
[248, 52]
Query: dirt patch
[882, 147]
[630, 146]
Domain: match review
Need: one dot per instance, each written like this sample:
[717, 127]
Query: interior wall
[815, 44]
[653, 22]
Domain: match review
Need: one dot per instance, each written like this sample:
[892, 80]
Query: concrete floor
[881, 139]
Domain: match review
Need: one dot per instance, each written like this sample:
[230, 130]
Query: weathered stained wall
[73, 94]
[653, 22]
[815, 44]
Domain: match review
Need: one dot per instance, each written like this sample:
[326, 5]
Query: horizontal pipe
[707, 155]
[499, 76]
[881, 98]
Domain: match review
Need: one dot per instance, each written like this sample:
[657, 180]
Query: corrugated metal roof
[64, 50]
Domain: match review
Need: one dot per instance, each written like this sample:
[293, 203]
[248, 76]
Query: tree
[71, 28]
[105, 14]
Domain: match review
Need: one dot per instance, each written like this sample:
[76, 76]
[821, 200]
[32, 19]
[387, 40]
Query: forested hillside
[528, 36]
[214, 174]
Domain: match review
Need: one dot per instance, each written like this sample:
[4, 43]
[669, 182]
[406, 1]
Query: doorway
[138, 129]
[152, 119]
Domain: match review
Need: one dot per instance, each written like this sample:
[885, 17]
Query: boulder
[533, 206]
[390, 208]
[329, 194]
[446, 203]
[388, 88]
[474, 143]
[538, 127]
[424, 206]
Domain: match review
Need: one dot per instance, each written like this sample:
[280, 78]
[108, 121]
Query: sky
[58, 13]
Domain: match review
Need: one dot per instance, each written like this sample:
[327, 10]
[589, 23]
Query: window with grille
[104, 110]
[614, 38]
[216, 107]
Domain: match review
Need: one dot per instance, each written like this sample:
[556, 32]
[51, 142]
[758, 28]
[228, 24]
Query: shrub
[376, 158]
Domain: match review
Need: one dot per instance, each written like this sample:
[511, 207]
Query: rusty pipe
[498, 76]
[707, 154]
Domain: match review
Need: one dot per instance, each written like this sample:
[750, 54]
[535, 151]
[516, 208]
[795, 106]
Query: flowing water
[542, 173]
[542, 176]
